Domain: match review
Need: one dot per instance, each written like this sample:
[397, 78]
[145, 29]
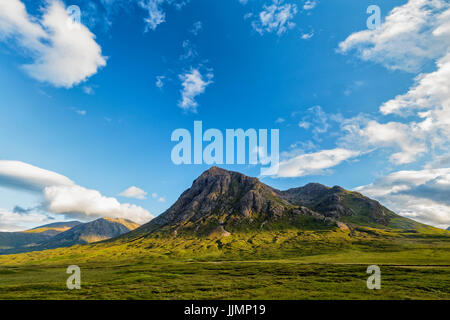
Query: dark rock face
[222, 194]
[226, 199]
[337, 202]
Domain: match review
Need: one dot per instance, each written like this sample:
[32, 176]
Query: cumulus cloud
[87, 203]
[422, 195]
[314, 163]
[64, 52]
[276, 17]
[62, 196]
[411, 35]
[194, 84]
[134, 192]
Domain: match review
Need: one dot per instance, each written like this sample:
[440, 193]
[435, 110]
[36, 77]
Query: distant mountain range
[63, 234]
[221, 202]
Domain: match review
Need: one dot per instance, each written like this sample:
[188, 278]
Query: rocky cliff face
[227, 201]
[337, 203]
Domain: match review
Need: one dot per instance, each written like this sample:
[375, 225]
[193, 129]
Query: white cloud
[63, 196]
[422, 195]
[406, 139]
[156, 15]
[81, 112]
[134, 192]
[87, 203]
[276, 17]
[196, 28]
[314, 163]
[88, 90]
[64, 53]
[193, 84]
[13, 221]
[309, 4]
[280, 120]
[411, 35]
[430, 92]
[159, 199]
[189, 50]
[159, 81]
[25, 176]
[307, 36]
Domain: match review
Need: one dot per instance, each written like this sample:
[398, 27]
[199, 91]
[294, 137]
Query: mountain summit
[222, 202]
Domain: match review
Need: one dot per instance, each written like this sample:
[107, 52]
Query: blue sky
[363, 109]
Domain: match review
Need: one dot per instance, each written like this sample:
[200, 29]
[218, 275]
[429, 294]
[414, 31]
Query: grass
[284, 264]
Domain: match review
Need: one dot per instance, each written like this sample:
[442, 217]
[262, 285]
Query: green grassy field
[267, 265]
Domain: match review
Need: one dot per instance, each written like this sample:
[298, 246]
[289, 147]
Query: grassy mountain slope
[67, 234]
[31, 238]
[53, 229]
[94, 231]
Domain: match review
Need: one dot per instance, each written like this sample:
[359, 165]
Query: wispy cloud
[160, 81]
[190, 51]
[307, 36]
[156, 15]
[194, 84]
[309, 5]
[314, 163]
[196, 28]
[276, 17]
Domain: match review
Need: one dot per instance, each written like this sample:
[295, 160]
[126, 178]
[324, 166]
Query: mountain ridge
[222, 202]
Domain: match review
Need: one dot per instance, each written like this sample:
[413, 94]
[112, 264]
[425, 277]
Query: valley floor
[212, 269]
[226, 280]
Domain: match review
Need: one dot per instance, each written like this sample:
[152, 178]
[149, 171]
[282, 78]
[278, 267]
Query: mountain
[221, 202]
[32, 237]
[63, 234]
[448, 228]
[94, 231]
[53, 229]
